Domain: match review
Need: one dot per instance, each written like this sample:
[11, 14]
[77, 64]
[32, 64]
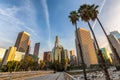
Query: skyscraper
[22, 41]
[116, 34]
[106, 55]
[57, 51]
[65, 56]
[73, 60]
[9, 55]
[46, 56]
[28, 48]
[88, 49]
[72, 52]
[36, 49]
[2, 53]
[116, 43]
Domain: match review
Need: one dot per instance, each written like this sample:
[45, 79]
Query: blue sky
[44, 19]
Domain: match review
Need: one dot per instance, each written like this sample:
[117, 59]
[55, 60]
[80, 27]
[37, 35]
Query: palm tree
[74, 17]
[93, 16]
[85, 14]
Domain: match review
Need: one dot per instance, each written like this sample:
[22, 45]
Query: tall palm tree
[93, 16]
[85, 14]
[74, 17]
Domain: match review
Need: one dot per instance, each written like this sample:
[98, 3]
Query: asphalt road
[54, 76]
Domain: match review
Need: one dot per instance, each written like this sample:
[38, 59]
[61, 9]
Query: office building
[2, 53]
[28, 48]
[116, 44]
[59, 55]
[46, 56]
[106, 55]
[12, 55]
[36, 49]
[72, 53]
[65, 56]
[22, 42]
[88, 49]
[58, 51]
[73, 59]
[9, 55]
[116, 34]
[19, 56]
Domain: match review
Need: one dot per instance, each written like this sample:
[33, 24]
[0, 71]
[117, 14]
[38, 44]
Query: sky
[44, 19]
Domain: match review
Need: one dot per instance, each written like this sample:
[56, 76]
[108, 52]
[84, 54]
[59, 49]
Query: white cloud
[45, 8]
[110, 15]
[8, 15]
[11, 25]
[101, 7]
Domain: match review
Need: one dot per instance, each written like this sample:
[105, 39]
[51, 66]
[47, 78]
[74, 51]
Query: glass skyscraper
[116, 34]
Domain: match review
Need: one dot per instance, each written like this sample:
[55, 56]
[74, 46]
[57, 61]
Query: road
[53, 76]
[23, 75]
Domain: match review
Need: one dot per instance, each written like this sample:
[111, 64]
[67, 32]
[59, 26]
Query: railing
[68, 76]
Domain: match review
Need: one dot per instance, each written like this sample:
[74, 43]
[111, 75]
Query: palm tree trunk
[111, 46]
[94, 36]
[81, 53]
[101, 56]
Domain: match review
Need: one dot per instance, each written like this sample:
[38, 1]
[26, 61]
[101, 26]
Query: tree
[9, 67]
[43, 65]
[93, 16]
[74, 17]
[85, 12]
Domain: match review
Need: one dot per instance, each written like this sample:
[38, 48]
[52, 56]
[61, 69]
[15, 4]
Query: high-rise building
[116, 44]
[11, 52]
[57, 51]
[106, 55]
[89, 54]
[116, 34]
[59, 55]
[72, 53]
[36, 49]
[2, 53]
[12, 55]
[22, 41]
[19, 56]
[28, 48]
[46, 56]
[9, 55]
[73, 60]
[65, 56]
